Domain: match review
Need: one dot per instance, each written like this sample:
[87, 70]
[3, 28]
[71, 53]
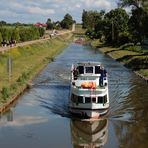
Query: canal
[40, 118]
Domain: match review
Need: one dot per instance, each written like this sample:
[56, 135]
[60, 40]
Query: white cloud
[104, 4]
[38, 10]
[78, 6]
[7, 13]
[16, 5]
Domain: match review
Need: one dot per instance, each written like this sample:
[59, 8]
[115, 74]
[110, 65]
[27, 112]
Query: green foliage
[1, 39]
[138, 25]
[2, 23]
[67, 21]
[138, 21]
[116, 24]
[20, 33]
[134, 48]
[94, 23]
[41, 31]
[6, 33]
[91, 18]
[50, 25]
[122, 47]
[28, 34]
[22, 79]
[5, 93]
[135, 3]
[15, 35]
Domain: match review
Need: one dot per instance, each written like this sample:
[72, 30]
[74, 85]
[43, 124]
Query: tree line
[66, 23]
[20, 33]
[117, 27]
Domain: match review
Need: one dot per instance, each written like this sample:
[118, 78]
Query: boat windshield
[87, 78]
[89, 69]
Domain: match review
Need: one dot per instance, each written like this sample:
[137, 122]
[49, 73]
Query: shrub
[5, 93]
[23, 78]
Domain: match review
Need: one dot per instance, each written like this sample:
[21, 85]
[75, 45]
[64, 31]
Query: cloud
[103, 4]
[78, 6]
[7, 13]
[38, 10]
[41, 10]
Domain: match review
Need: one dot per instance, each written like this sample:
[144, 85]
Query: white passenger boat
[89, 96]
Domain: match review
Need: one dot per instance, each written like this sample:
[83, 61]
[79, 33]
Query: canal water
[40, 118]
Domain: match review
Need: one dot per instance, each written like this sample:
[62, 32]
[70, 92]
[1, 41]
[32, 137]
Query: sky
[32, 11]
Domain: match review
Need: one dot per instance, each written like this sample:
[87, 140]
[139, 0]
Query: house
[40, 25]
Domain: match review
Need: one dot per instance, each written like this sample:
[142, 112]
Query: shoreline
[109, 50]
[28, 83]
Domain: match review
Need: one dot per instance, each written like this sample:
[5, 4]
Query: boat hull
[88, 113]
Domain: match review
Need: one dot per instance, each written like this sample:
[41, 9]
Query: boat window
[81, 69]
[80, 99]
[105, 98]
[102, 99]
[97, 70]
[87, 99]
[93, 100]
[88, 69]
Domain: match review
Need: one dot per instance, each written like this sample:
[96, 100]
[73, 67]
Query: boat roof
[88, 63]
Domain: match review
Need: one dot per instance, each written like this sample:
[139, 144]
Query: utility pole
[9, 67]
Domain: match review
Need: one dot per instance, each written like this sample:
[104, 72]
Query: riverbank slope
[27, 61]
[137, 61]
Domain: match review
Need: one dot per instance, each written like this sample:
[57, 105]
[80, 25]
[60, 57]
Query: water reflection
[9, 119]
[89, 134]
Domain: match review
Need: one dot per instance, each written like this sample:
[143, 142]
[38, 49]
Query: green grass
[79, 29]
[27, 61]
[133, 56]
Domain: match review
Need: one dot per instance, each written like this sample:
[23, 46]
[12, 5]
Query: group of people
[10, 43]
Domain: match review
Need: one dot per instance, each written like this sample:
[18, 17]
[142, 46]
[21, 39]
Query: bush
[135, 49]
[5, 93]
[23, 78]
[1, 39]
[126, 45]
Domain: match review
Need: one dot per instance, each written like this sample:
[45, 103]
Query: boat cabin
[88, 68]
[90, 72]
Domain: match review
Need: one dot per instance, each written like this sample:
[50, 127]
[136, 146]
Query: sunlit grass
[28, 59]
[131, 58]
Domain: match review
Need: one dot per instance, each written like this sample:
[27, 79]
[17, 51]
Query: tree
[90, 18]
[3, 23]
[6, 33]
[15, 34]
[67, 21]
[138, 25]
[1, 39]
[49, 24]
[116, 23]
[138, 21]
[84, 19]
[41, 31]
[135, 3]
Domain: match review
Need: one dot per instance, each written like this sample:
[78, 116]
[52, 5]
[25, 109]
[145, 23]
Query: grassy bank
[27, 62]
[135, 59]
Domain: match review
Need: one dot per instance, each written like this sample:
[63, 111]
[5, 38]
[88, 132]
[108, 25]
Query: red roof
[40, 25]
